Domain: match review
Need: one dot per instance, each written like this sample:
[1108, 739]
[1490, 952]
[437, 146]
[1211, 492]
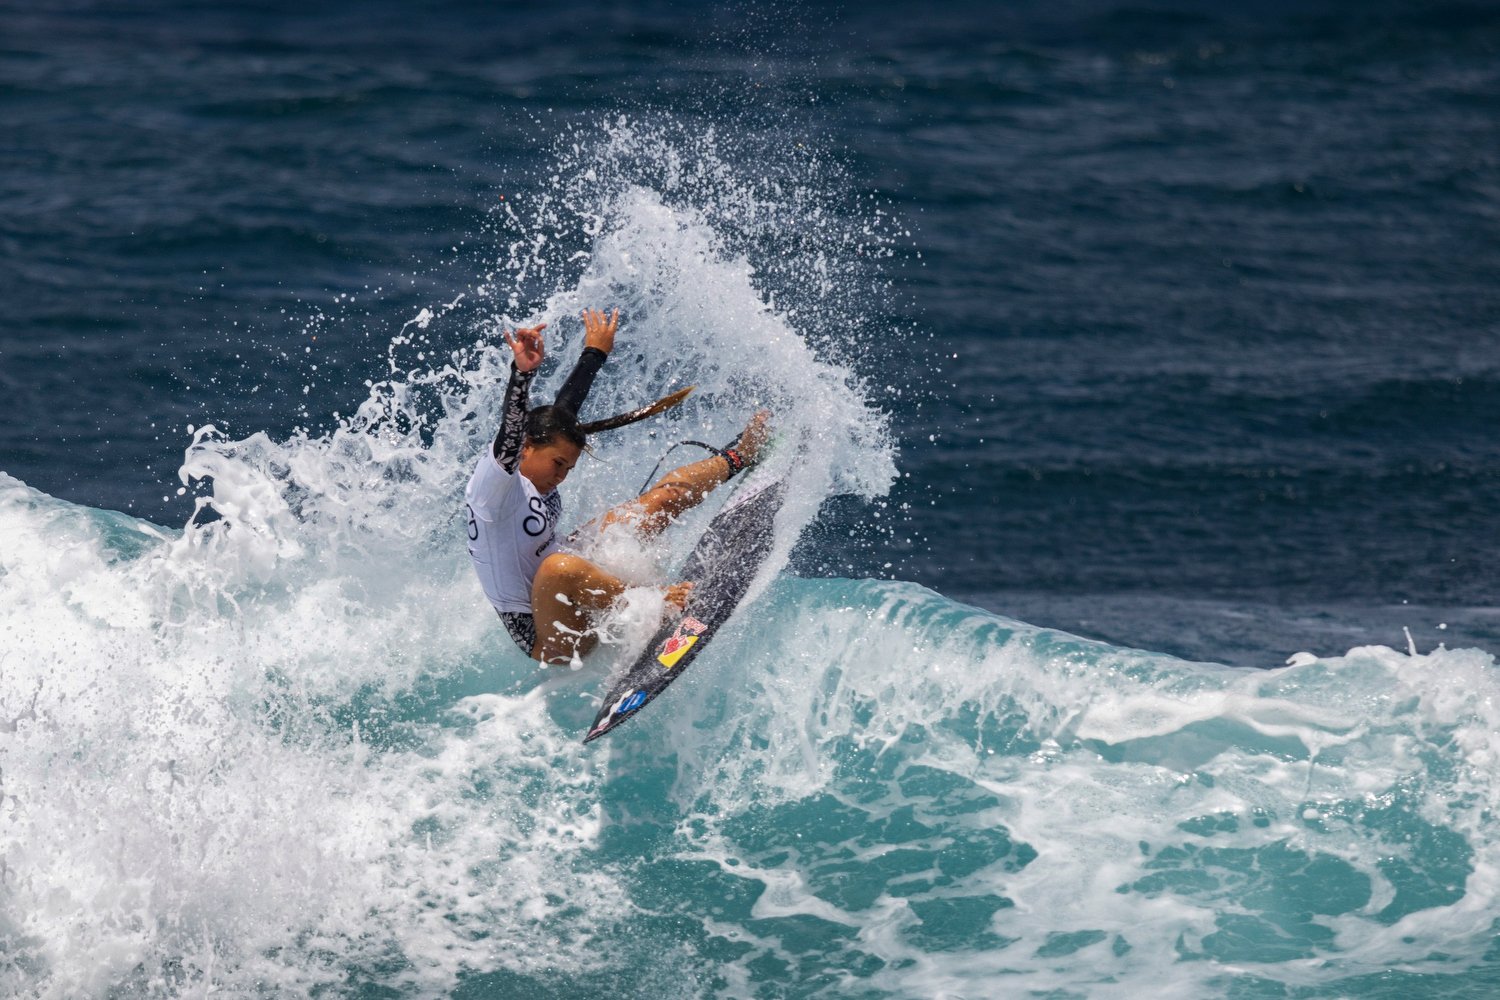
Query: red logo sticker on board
[680, 641]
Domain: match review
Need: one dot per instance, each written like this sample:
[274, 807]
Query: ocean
[1130, 626]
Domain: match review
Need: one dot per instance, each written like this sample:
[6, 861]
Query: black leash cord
[679, 444]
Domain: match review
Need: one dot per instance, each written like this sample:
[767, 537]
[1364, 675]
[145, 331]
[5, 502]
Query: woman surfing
[545, 595]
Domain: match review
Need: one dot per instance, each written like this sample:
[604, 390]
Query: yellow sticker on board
[669, 657]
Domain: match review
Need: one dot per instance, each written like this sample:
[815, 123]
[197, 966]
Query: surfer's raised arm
[527, 348]
[598, 341]
[527, 354]
[599, 329]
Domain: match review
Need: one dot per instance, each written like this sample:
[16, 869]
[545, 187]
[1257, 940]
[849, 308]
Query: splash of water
[248, 727]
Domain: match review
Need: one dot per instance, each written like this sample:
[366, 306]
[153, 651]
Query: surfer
[545, 595]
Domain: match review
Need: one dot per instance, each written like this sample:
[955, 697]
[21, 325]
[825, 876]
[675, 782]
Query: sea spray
[253, 730]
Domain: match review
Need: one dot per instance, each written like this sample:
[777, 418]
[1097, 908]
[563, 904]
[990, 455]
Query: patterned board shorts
[522, 627]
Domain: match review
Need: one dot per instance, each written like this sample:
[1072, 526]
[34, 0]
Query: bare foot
[677, 595]
[756, 432]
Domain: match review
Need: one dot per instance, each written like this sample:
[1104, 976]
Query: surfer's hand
[599, 330]
[677, 595]
[757, 431]
[526, 345]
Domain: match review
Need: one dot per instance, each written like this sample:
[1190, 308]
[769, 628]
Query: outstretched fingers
[677, 595]
[593, 318]
[599, 329]
[526, 344]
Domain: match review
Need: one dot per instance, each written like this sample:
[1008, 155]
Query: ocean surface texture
[1130, 627]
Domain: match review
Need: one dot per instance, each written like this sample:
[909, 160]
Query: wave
[858, 784]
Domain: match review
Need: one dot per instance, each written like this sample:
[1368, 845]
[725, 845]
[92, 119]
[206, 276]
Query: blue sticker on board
[630, 702]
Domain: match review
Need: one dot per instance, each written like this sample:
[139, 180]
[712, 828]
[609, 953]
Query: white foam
[228, 762]
[1294, 762]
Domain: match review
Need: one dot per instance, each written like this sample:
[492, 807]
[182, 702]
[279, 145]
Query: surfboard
[722, 566]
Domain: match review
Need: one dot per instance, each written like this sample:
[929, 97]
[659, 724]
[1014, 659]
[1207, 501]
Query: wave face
[317, 780]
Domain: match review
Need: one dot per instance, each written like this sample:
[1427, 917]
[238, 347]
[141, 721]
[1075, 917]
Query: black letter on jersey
[538, 515]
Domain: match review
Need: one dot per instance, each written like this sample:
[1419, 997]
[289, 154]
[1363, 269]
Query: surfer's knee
[648, 513]
[565, 567]
[565, 581]
[562, 567]
[632, 513]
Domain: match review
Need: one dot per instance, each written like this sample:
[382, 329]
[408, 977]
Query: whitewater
[286, 748]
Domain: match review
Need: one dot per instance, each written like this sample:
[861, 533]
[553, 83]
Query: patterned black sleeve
[576, 389]
[507, 446]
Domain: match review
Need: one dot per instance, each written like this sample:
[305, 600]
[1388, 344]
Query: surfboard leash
[736, 463]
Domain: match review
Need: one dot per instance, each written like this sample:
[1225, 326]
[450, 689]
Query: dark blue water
[1195, 305]
[1184, 321]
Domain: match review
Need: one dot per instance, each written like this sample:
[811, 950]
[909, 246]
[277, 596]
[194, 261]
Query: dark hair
[547, 424]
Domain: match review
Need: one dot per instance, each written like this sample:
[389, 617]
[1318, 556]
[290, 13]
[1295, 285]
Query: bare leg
[567, 589]
[683, 489]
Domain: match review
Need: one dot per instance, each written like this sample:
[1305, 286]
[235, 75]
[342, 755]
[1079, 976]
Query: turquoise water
[293, 784]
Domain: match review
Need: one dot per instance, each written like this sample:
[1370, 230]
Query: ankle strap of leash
[733, 457]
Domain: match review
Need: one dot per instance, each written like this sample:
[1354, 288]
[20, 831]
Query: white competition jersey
[511, 530]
